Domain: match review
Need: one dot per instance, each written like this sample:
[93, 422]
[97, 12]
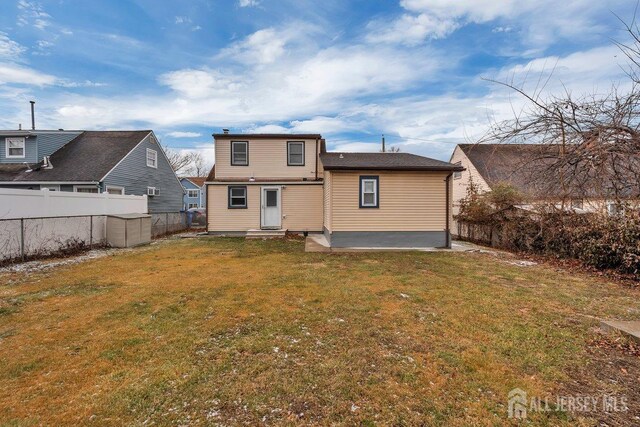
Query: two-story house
[195, 195]
[116, 162]
[290, 183]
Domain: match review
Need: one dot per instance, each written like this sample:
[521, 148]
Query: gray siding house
[117, 162]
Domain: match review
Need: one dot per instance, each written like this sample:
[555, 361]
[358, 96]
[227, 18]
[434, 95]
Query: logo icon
[517, 404]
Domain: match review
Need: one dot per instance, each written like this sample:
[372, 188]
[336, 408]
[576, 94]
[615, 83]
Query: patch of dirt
[613, 369]
[47, 264]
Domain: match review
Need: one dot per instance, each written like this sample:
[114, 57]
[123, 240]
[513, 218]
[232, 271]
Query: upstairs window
[237, 197]
[15, 148]
[368, 191]
[152, 158]
[577, 204]
[193, 193]
[457, 175]
[295, 153]
[239, 153]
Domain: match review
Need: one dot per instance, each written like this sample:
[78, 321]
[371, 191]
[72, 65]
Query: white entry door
[271, 213]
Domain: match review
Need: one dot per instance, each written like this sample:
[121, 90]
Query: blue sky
[414, 70]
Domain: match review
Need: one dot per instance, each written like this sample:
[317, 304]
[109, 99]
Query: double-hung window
[15, 148]
[193, 193]
[239, 153]
[237, 197]
[457, 174]
[295, 153]
[369, 192]
[152, 158]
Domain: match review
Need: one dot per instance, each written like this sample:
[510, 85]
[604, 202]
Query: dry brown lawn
[227, 331]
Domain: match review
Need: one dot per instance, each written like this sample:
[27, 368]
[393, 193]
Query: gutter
[448, 198]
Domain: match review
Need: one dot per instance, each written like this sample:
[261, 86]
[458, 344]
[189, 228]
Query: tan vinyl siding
[302, 207]
[327, 200]
[221, 218]
[409, 201]
[461, 184]
[267, 160]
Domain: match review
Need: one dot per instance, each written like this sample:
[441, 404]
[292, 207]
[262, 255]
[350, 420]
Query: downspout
[316, 159]
[448, 197]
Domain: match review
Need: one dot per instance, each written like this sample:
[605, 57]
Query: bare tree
[180, 161]
[199, 166]
[590, 144]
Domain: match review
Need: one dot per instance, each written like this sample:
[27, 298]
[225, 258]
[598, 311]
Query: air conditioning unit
[151, 191]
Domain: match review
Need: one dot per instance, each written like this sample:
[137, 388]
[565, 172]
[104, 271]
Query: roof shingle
[384, 161]
[86, 158]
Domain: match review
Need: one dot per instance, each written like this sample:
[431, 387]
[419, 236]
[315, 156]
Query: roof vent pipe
[225, 131]
[19, 126]
[33, 115]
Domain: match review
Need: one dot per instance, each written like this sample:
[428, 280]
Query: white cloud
[178, 134]
[262, 47]
[542, 22]
[32, 14]
[16, 74]
[8, 47]
[248, 3]
[410, 29]
[199, 83]
[182, 20]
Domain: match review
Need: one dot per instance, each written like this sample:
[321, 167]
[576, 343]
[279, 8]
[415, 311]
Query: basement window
[237, 197]
[369, 191]
[15, 148]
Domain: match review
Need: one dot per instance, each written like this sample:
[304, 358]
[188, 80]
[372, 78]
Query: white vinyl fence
[41, 222]
[45, 203]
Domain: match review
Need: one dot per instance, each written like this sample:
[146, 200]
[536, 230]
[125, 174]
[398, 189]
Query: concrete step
[266, 234]
[316, 243]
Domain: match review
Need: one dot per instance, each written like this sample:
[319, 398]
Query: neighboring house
[117, 162]
[289, 182]
[195, 195]
[519, 165]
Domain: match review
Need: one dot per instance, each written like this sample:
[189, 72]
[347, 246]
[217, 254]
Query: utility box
[127, 230]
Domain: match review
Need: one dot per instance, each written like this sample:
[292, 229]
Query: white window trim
[114, 187]
[76, 187]
[155, 154]
[189, 190]
[375, 192]
[24, 148]
[193, 206]
[246, 144]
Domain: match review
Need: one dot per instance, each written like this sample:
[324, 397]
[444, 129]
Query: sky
[417, 71]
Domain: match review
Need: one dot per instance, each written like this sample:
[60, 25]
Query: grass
[244, 332]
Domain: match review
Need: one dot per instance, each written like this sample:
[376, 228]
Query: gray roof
[86, 158]
[267, 135]
[384, 161]
[531, 169]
